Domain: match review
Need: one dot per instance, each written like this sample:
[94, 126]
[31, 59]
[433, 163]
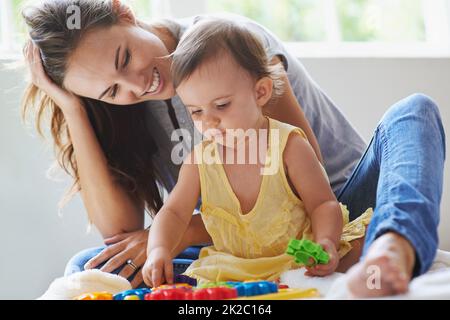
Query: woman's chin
[169, 92]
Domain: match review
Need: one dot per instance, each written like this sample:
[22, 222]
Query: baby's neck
[250, 143]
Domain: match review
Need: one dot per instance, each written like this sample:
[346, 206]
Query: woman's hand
[122, 247]
[158, 267]
[64, 99]
[322, 270]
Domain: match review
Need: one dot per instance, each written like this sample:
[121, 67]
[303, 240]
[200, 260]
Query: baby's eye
[196, 112]
[222, 105]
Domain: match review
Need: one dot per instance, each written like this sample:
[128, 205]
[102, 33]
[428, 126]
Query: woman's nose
[135, 84]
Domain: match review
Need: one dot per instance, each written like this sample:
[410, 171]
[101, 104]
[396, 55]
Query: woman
[119, 156]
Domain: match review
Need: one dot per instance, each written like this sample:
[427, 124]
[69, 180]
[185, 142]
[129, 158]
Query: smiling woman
[131, 65]
[104, 61]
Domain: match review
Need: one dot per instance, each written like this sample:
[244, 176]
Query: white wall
[36, 243]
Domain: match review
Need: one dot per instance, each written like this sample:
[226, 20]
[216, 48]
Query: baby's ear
[123, 11]
[264, 90]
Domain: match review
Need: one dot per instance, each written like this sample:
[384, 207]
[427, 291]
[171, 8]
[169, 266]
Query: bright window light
[315, 28]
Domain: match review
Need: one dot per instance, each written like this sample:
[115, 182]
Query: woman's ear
[264, 90]
[123, 11]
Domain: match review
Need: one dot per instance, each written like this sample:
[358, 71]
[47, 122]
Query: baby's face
[220, 95]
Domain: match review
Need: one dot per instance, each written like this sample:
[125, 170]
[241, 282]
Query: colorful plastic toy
[179, 293]
[226, 284]
[95, 296]
[184, 293]
[307, 252]
[173, 286]
[181, 278]
[254, 288]
[219, 293]
[285, 294]
[140, 293]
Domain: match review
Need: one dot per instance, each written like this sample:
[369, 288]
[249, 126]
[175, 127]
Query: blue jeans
[400, 176]
[180, 263]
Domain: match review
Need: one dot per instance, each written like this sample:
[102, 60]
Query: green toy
[307, 252]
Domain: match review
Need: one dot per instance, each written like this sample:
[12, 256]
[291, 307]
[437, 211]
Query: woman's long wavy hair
[121, 131]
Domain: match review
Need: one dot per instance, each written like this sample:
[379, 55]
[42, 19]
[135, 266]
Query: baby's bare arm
[171, 222]
[312, 185]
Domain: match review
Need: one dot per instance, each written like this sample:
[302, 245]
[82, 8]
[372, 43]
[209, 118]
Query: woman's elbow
[112, 227]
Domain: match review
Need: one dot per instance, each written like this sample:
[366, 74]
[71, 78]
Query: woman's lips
[159, 88]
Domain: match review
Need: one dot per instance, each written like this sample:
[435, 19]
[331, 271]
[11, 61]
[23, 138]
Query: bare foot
[385, 270]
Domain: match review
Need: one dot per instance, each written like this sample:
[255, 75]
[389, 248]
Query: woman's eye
[127, 58]
[114, 92]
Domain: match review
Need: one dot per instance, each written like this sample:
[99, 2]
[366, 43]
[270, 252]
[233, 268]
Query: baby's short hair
[209, 38]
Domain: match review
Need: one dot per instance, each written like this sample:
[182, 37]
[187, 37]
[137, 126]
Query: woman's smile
[123, 64]
[156, 85]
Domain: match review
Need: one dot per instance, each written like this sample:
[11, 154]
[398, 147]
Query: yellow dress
[252, 246]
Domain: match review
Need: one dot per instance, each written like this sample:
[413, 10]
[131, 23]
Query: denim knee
[77, 262]
[416, 106]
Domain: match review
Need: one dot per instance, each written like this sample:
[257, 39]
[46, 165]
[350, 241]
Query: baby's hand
[158, 267]
[325, 269]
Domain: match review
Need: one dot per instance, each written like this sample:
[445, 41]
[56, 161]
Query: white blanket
[435, 284]
[70, 287]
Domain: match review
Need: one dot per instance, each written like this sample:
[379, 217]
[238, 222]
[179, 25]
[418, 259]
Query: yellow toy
[285, 294]
[95, 296]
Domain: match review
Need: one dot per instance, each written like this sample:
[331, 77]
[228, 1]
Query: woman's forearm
[108, 206]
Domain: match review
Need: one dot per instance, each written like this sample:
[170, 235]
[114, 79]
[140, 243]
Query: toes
[401, 282]
[400, 287]
[381, 271]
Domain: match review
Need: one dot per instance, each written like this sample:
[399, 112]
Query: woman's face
[123, 64]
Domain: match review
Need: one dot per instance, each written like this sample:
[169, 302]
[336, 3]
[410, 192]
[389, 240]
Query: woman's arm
[287, 109]
[109, 207]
